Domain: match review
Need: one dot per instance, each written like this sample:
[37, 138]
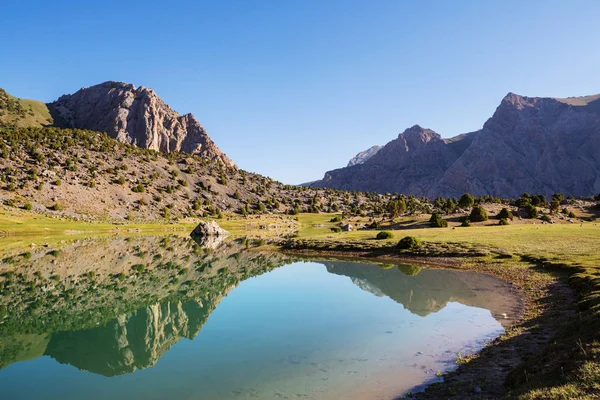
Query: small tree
[466, 201]
[408, 242]
[505, 214]
[437, 221]
[384, 235]
[530, 211]
[478, 214]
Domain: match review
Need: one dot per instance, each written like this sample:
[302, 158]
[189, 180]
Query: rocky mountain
[363, 156]
[136, 116]
[530, 144]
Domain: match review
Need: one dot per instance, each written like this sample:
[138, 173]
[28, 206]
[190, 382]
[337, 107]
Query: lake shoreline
[544, 299]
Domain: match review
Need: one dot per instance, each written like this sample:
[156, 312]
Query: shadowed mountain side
[428, 291]
[530, 144]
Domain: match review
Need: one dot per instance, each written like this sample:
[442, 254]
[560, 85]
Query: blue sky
[292, 88]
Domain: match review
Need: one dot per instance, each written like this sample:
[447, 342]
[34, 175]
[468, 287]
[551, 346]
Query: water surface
[234, 324]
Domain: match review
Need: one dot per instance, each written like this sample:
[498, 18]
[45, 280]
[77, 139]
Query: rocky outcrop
[209, 229]
[136, 116]
[363, 156]
[530, 144]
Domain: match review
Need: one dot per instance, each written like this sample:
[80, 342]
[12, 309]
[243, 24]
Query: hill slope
[530, 144]
[22, 112]
[88, 175]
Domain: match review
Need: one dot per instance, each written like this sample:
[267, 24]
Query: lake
[162, 317]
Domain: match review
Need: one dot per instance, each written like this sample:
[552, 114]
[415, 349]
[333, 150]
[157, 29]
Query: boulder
[208, 229]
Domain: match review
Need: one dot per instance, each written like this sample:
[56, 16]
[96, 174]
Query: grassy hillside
[22, 112]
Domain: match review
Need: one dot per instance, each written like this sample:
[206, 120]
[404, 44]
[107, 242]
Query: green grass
[19, 228]
[565, 243]
[41, 115]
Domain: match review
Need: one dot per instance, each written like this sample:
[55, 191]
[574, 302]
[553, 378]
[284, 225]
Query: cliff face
[136, 116]
[538, 145]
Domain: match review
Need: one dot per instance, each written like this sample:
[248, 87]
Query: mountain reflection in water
[181, 288]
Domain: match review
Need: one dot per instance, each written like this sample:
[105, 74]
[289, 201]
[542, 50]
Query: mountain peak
[417, 132]
[136, 116]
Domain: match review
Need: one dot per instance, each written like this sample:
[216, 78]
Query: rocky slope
[363, 156]
[84, 174]
[136, 116]
[530, 144]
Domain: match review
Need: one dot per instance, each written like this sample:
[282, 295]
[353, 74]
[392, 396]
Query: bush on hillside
[505, 214]
[337, 218]
[408, 242]
[466, 201]
[437, 221]
[478, 214]
[531, 212]
[503, 221]
[384, 235]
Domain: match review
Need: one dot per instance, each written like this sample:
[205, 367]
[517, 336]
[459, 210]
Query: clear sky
[292, 88]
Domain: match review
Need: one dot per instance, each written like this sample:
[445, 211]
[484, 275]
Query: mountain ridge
[529, 144]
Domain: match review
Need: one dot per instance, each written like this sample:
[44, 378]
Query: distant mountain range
[530, 144]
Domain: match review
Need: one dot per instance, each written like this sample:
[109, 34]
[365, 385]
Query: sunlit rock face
[363, 156]
[136, 116]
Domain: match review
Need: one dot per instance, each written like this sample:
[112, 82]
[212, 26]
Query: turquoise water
[318, 330]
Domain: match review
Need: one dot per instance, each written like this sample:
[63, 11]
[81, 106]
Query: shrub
[27, 206]
[138, 189]
[374, 225]
[466, 223]
[337, 218]
[408, 242]
[55, 207]
[384, 235]
[503, 221]
[546, 218]
[505, 214]
[478, 214]
[466, 201]
[138, 268]
[530, 211]
[571, 214]
[336, 229]
[437, 221]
